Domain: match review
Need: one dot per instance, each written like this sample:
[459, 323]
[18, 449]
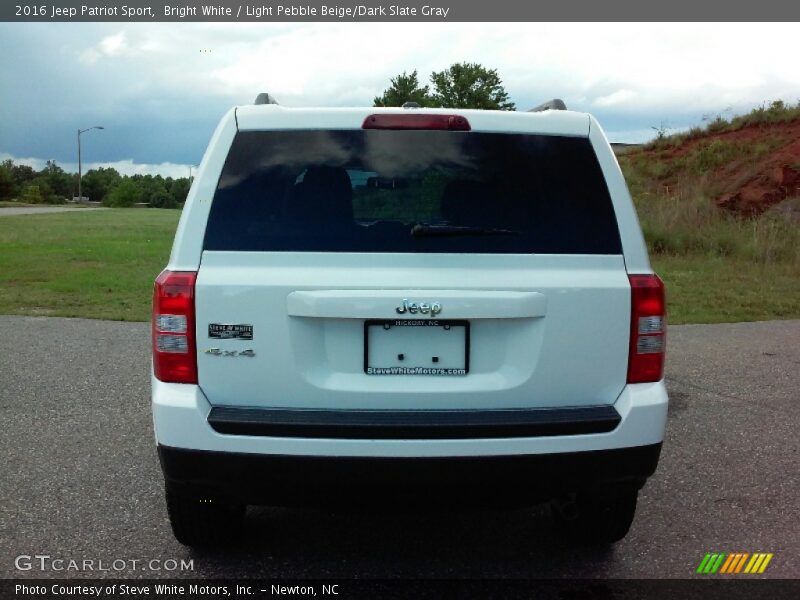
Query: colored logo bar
[734, 562]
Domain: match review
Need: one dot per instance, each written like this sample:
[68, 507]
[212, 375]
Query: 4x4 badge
[220, 352]
[433, 309]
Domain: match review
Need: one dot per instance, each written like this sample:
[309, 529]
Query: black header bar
[266, 11]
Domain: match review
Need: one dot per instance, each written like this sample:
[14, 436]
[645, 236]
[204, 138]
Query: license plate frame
[420, 323]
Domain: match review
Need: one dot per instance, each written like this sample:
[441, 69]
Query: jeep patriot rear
[381, 305]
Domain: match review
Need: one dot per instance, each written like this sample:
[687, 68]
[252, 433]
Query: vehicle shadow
[440, 543]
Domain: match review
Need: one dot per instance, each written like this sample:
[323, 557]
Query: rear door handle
[384, 304]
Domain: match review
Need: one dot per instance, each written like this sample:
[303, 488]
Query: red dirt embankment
[763, 169]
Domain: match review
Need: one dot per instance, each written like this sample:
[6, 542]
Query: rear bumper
[181, 419]
[258, 466]
[323, 481]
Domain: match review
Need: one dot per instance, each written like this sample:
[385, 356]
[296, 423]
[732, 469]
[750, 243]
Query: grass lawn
[102, 265]
[96, 264]
[725, 290]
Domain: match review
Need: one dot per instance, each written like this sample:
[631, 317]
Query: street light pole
[80, 196]
[190, 172]
[80, 131]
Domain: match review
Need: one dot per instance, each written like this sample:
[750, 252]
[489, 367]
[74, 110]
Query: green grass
[691, 225]
[102, 265]
[724, 290]
[95, 264]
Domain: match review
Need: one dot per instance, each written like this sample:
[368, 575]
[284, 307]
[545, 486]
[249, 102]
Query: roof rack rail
[264, 98]
[554, 104]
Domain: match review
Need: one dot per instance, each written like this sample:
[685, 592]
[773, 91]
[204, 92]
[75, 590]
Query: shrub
[162, 199]
[718, 125]
[126, 193]
[31, 194]
[708, 156]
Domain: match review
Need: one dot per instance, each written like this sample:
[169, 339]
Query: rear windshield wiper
[422, 230]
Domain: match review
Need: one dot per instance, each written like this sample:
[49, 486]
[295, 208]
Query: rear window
[411, 191]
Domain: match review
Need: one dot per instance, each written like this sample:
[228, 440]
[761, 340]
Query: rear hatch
[411, 269]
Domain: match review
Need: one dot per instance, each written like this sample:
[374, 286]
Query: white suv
[407, 305]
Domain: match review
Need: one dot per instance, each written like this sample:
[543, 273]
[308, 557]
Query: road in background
[41, 210]
[80, 479]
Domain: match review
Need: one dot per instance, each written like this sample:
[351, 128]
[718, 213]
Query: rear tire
[204, 523]
[598, 518]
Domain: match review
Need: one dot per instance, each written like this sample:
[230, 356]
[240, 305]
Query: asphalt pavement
[41, 210]
[79, 476]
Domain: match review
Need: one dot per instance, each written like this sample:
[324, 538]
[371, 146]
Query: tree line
[52, 185]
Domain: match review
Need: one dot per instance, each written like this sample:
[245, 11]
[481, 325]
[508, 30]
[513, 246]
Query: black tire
[598, 518]
[201, 523]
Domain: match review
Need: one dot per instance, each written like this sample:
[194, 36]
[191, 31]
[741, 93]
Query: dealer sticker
[221, 331]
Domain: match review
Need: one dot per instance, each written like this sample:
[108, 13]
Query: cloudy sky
[159, 89]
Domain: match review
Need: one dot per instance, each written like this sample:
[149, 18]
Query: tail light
[416, 121]
[174, 354]
[648, 329]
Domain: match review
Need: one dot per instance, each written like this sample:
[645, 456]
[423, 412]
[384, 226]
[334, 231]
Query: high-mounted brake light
[648, 329]
[416, 121]
[174, 354]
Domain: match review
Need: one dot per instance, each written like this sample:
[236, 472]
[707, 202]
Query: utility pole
[80, 131]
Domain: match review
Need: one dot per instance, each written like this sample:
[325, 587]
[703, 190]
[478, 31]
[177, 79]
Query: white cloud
[615, 98]
[113, 45]
[89, 56]
[631, 136]
[119, 45]
[109, 46]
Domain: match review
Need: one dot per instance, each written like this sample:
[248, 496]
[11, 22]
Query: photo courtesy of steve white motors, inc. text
[139, 589]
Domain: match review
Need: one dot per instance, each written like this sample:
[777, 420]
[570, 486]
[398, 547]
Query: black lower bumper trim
[323, 480]
[413, 424]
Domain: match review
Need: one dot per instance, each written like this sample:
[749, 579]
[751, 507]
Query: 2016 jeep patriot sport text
[402, 305]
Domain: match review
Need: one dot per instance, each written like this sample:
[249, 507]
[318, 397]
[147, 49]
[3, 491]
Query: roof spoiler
[554, 104]
[265, 98]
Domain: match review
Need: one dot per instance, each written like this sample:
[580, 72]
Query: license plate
[416, 347]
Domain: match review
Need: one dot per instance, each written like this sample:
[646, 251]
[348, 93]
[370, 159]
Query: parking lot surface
[79, 478]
